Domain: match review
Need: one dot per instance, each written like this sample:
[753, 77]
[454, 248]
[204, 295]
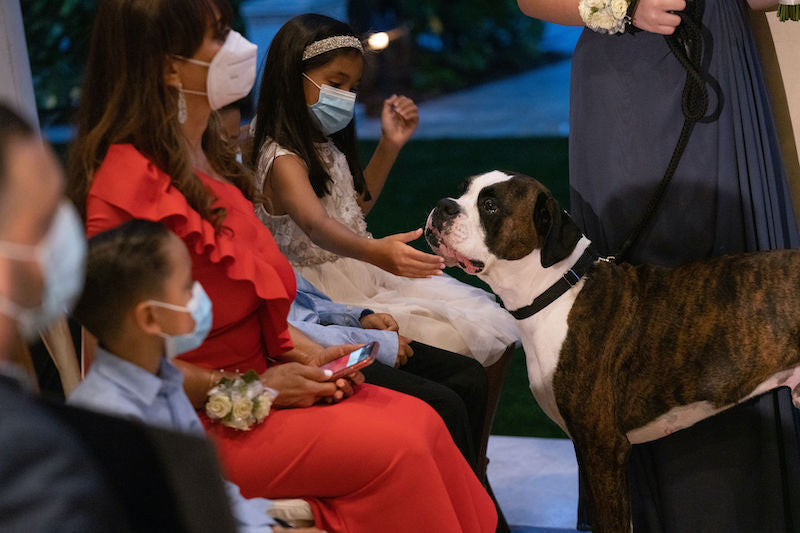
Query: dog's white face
[499, 216]
[454, 229]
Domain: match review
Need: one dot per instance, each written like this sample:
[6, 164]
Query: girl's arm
[399, 120]
[289, 184]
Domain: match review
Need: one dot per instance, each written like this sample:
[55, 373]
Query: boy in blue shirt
[140, 301]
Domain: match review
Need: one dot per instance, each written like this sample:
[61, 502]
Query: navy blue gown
[738, 471]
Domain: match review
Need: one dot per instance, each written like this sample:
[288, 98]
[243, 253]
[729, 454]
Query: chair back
[163, 480]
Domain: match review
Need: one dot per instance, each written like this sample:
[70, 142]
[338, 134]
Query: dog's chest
[542, 337]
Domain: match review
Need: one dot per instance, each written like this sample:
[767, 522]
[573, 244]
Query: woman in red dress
[149, 146]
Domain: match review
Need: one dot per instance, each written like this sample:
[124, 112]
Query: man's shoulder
[22, 414]
[45, 467]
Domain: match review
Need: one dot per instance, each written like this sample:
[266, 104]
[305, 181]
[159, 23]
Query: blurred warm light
[378, 41]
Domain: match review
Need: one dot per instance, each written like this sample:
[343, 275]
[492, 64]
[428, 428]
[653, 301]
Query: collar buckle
[571, 277]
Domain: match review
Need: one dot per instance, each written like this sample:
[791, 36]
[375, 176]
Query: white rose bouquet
[240, 403]
[605, 16]
[788, 10]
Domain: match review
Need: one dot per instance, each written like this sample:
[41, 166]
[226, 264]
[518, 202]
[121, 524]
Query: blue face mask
[61, 257]
[200, 309]
[334, 109]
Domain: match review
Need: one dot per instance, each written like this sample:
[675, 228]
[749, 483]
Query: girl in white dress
[316, 195]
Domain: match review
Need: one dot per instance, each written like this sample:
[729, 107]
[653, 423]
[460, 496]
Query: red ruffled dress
[378, 461]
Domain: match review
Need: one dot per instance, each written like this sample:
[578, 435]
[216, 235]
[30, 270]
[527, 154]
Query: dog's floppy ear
[555, 228]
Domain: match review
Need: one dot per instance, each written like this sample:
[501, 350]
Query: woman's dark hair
[125, 265]
[11, 126]
[125, 98]
[282, 114]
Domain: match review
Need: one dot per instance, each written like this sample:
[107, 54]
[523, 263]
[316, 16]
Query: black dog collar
[572, 276]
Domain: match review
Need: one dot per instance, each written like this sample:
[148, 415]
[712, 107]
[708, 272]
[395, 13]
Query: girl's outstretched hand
[399, 120]
[656, 15]
[394, 255]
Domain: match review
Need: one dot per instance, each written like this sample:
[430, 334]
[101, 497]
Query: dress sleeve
[128, 185]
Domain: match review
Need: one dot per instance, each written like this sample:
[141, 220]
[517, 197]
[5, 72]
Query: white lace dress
[440, 311]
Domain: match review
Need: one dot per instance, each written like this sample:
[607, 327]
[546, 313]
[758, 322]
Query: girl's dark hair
[126, 100]
[125, 265]
[282, 113]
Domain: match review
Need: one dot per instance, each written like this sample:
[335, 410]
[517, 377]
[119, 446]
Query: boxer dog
[617, 354]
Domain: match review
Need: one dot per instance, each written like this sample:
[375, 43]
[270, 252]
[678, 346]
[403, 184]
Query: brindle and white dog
[626, 354]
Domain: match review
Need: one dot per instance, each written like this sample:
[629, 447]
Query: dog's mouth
[450, 255]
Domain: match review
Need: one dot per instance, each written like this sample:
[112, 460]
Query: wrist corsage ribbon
[240, 403]
[788, 10]
[608, 16]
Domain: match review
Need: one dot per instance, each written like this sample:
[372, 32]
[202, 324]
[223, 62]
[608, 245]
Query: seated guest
[455, 386]
[48, 479]
[149, 146]
[316, 195]
[138, 275]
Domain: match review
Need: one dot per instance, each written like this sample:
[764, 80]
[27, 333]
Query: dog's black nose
[448, 207]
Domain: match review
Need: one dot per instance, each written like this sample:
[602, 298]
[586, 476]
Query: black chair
[163, 480]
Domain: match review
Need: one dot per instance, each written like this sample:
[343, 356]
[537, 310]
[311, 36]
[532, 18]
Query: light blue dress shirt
[118, 387]
[329, 323]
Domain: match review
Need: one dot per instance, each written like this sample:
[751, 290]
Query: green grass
[429, 170]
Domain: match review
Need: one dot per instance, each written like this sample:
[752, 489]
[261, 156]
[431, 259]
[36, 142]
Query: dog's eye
[489, 205]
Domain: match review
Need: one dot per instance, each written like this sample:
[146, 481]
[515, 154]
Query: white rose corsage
[788, 10]
[605, 16]
[240, 403]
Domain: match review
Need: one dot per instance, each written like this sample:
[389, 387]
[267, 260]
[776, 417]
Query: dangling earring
[182, 114]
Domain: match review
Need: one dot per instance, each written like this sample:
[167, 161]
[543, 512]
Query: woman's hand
[404, 351]
[382, 321]
[345, 386]
[656, 15]
[394, 255]
[298, 385]
[399, 120]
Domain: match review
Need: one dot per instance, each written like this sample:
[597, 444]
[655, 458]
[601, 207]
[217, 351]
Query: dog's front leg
[604, 458]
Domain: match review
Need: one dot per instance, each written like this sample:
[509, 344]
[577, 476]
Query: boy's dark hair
[282, 113]
[125, 265]
[11, 126]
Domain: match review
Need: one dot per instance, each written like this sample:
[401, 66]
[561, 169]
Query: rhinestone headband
[331, 43]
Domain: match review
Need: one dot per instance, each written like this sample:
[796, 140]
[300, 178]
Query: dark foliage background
[57, 35]
[447, 46]
[455, 44]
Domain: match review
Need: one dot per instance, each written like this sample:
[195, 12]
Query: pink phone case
[355, 360]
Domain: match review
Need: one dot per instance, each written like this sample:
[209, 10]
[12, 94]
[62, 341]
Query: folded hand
[382, 321]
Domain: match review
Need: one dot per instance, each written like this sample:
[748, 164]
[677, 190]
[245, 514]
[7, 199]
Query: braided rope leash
[686, 44]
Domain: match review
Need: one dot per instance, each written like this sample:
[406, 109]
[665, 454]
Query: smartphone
[355, 360]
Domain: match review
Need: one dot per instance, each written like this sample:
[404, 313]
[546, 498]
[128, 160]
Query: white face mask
[61, 257]
[231, 73]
